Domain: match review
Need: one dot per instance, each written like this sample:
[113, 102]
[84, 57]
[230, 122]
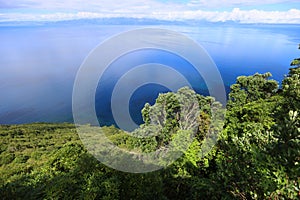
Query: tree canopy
[256, 154]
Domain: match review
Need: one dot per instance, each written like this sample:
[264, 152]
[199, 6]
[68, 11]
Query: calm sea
[39, 62]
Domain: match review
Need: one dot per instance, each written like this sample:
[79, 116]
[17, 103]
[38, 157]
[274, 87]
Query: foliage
[257, 154]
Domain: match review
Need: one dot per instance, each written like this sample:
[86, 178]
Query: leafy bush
[256, 155]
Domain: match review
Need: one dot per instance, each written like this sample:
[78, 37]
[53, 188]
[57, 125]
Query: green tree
[296, 61]
[251, 88]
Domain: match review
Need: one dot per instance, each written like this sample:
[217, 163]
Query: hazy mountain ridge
[129, 21]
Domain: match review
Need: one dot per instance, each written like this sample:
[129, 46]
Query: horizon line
[140, 20]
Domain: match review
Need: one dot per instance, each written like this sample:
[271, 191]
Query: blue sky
[245, 11]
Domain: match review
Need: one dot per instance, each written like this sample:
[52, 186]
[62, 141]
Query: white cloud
[249, 16]
[243, 16]
[235, 3]
[194, 9]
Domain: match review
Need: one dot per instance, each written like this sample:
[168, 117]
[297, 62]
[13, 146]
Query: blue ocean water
[39, 62]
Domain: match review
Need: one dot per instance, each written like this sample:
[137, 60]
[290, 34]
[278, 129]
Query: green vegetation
[257, 154]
